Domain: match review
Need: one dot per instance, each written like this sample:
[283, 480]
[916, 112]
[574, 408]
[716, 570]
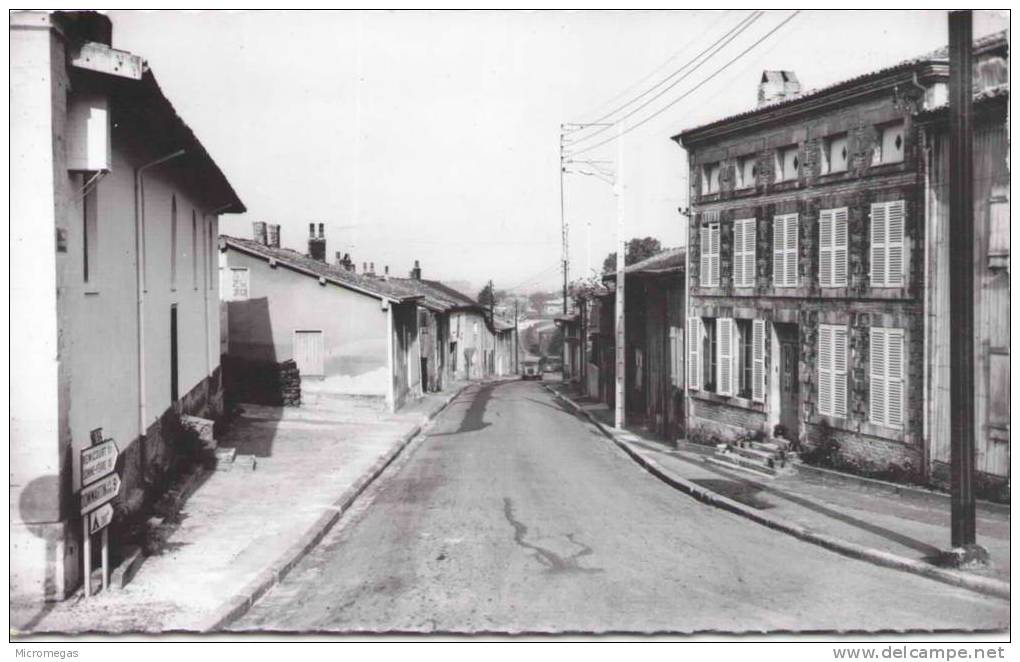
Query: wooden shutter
[744, 241]
[705, 273]
[878, 253]
[825, 369]
[750, 244]
[714, 233]
[825, 265]
[839, 247]
[839, 367]
[738, 253]
[693, 352]
[876, 371]
[792, 227]
[778, 254]
[894, 377]
[894, 242]
[758, 360]
[724, 362]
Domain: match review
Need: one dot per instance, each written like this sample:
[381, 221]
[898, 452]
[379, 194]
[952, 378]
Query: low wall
[261, 382]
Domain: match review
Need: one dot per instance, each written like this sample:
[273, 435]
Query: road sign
[98, 461]
[100, 492]
[100, 518]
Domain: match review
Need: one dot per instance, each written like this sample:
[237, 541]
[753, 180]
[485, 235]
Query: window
[832, 364]
[887, 244]
[784, 249]
[834, 154]
[90, 231]
[709, 350]
[695, 332]
[710, 255]
[758, 339]
[787, 163]
[744, 241]
[725, 354]
[194, 249]
[886, 372]
[676, 356]
[173, 242]
[832, 237]
[998, 230]
[639, 369]
[238, 286]
[998, 400]
[710, 178]
[746, 171]
[745, 359]
[889, 148]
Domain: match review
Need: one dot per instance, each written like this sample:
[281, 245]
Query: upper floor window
[747, 170]
[710, 178]
[787, 163]
[832, 256]
[887, 261]
[237, 285]
[785, 230]
[709, 274]
[889, 148]
[744, 243]
[173, 242]
[885, 370]
[834, 154]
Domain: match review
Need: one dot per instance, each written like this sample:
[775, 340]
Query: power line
[689, 92]
[715, 48]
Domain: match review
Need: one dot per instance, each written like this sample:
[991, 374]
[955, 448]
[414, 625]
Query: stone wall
[261, 382]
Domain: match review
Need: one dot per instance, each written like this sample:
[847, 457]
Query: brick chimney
[317, 244]
[371, 269]
[416, 271]
[777, 86]
[273, 236]
[259, 232]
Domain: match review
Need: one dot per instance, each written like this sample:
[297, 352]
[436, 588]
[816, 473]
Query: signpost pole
[87, 554]
[106, 558]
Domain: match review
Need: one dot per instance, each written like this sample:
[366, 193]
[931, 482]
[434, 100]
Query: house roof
[939, 56]
[376, 287]
[670, 260]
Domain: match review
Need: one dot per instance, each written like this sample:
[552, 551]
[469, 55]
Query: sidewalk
[243, 528]
[912, 525]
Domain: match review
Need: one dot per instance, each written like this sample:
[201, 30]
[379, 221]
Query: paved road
[513, 515]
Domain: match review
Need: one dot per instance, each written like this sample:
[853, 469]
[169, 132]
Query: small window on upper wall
[834, 154]
[746, 171]
[710, 179]
[889, 148]
[787, 163]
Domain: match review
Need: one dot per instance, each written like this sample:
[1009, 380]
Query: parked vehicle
[531, 369]
[553, 364]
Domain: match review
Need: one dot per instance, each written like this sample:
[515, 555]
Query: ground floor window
[709, 353]
[745, 359]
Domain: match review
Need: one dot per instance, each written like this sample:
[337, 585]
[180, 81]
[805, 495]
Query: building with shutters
[806, 239]
[349, 333]
[115, 208]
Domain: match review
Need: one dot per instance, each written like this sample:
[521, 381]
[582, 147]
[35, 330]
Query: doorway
[789, 379]
[309, 352]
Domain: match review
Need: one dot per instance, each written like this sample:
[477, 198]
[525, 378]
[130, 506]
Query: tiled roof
[940, 55]
[669, 260]
[377, 287]
[438, 296]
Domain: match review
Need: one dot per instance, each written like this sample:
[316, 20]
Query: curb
[236, 606]
[983, 585]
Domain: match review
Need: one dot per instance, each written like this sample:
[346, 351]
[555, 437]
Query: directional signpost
[99, 485]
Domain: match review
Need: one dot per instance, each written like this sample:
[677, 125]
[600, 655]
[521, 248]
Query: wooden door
[789, 388]
[309, 353]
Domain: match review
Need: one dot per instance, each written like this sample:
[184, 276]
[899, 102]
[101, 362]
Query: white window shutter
[724, 358]
[894, 377]
[792, 227]
[693, 352]
[750, 244]
[839, 247]
[674, 376]
[878, 252]
[778, 254]
[825, 262]
[758, 360]
[876, 389]
[839, 368]
[715, 255]
[738, 253]
[704, 275]
[825, 369]
[894, 242]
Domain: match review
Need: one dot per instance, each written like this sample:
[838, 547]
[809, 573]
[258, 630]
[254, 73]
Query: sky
[435, 135]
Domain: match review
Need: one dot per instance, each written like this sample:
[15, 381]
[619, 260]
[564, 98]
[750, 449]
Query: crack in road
[550, 559]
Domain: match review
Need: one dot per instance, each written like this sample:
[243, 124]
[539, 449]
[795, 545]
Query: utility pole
[961, 286]
[517, 339]
[566, 254]
[621, 259]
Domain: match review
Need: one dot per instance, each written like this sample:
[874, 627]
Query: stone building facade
[806, 280]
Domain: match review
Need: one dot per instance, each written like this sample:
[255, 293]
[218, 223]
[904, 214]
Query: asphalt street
[513, 515]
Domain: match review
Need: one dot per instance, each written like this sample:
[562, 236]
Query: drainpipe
[140, 286]
[391, 395]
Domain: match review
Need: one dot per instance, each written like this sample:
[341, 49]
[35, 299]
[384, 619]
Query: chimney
[777, 86]
[316, 244]
[273, 236]
[416, 272]
[259, 232]
[371, 268]
[364, 267]
[386, 272]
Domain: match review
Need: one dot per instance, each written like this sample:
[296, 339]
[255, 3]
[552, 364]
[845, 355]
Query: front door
[309, 353]
[789, 387]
